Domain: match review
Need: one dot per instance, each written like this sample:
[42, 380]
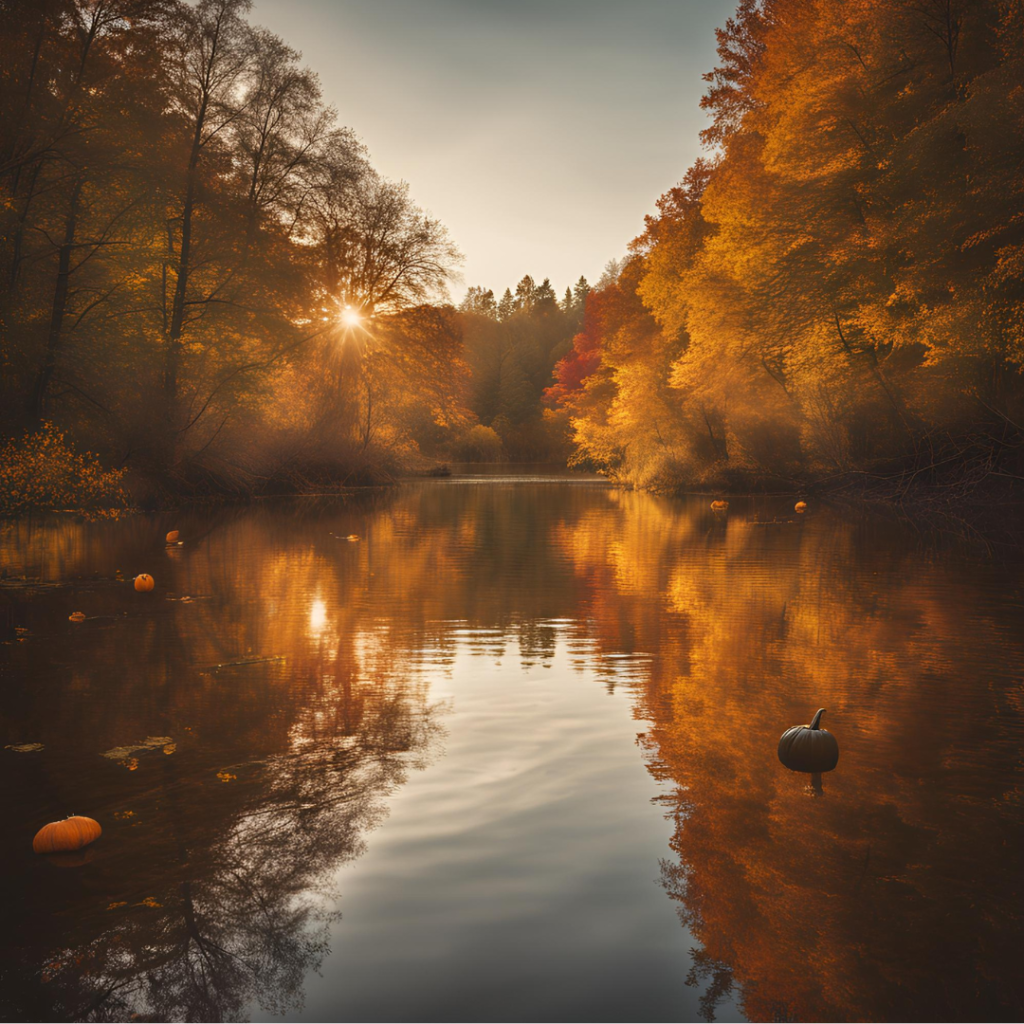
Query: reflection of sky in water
[317, 617]
[519, 869]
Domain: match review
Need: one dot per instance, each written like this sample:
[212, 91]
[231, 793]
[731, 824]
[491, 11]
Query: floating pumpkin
[72, 833]
[76, 617]
[809, 748]
[172, 537]
[144, 582]
[800, 506]
[719, 506]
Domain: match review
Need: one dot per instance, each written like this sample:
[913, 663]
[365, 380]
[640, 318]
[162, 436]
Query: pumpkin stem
[816, 719]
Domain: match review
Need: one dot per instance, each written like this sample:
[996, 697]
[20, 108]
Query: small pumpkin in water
[144, 582]
[172, 537]
[809, 748]
[719, 506]
[800, 506]
[72, 833]
[76, 617]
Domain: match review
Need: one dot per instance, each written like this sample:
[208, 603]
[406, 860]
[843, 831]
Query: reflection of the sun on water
[317, 618]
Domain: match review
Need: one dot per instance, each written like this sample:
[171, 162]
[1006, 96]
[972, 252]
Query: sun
[351, 317]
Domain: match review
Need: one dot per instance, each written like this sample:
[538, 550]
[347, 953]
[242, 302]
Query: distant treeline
[204, 282]
[512, 346]
[836, 293]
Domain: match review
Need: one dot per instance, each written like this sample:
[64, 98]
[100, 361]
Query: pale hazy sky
[539, 131]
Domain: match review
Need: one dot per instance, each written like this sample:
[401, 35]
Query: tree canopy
[837, 287]
[186, 230]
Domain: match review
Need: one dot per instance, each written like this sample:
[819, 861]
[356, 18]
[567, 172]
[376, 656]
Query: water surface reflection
[453, 667]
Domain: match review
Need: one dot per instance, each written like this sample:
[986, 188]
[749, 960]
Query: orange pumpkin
[76, 617]
[800, 506]
[144, 582]
[719, 506]
[172, 537]
[70, 834]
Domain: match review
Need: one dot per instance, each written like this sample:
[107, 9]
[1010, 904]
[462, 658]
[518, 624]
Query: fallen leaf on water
[226, 776]
[24, 748]
[76, 617]
[130, 763]
[149, 743]
[124, 814]
[170, 748]
[245, 661]
[149, 901]
[114, 906]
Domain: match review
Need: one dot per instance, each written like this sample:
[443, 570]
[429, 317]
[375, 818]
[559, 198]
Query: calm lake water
[510, 755]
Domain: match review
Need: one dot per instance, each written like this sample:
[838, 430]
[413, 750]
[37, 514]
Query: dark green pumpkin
[809, 748]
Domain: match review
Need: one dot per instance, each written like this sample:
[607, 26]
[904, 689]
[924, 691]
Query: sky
[540, 132]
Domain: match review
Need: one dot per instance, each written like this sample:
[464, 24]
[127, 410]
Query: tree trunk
[172, 364]
[60, 299]
[19, 229]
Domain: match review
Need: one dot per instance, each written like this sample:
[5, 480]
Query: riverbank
[973, 502]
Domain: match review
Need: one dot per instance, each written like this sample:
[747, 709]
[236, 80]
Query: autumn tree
[840, 277]
[182, 223]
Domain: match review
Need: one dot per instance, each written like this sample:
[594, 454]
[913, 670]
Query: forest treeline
[836, 292]
[206, 287]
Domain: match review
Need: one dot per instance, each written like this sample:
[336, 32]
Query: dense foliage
[204, 281]
[838, 289]
[41, 469]
[199, 270]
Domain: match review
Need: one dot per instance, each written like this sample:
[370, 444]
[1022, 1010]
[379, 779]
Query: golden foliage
[843, 283]
[43, 471]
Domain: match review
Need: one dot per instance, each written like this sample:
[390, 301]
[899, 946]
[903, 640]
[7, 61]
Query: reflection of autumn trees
[216, 856]
[891, 896]
[220, 903]
[209, 890]
[220, 875]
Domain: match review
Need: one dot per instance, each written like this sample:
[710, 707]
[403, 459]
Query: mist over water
[510, 755]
